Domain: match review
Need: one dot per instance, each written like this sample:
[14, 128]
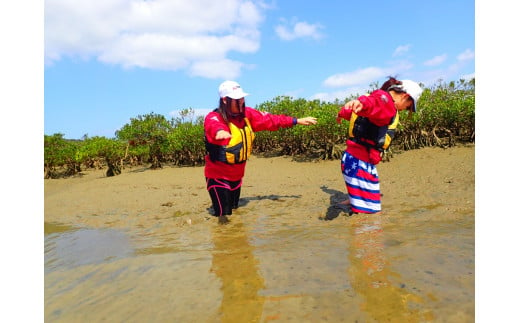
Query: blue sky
[76, 80]
[112, 60]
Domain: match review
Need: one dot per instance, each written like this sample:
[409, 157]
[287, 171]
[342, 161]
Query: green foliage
[101, 149]
[64, 157]
[186, 140]
[61, 153]
[317, 141]
[446, 115]
[150, 130]
[187, 144]
[327, 133]
[96, 147]
[285, 141]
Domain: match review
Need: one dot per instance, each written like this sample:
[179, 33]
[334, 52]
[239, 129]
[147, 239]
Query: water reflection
[372, 279]
[233, 262]
[69, 247]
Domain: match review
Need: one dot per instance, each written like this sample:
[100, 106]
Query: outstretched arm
[262, 121]
[222, 134]
[345, 112]
[307, 121]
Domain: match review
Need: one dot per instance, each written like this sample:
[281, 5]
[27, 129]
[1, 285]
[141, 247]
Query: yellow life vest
[239, 147]
[364, 132]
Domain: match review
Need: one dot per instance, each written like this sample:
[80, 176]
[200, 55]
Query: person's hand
[307, 121]
[222, 134]
[344, 112]
[355, 105]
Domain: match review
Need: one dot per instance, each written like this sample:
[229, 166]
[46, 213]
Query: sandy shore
[146, 248]
[140, 198]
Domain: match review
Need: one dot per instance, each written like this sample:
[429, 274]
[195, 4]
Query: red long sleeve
[345, 113]
[260, 121]
[378, 107]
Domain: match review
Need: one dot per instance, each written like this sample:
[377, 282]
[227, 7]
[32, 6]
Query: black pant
[224, 195]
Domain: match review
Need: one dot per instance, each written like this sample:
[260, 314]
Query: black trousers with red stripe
[224, 195]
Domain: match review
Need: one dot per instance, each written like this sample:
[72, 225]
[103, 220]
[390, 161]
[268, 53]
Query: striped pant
[224, 195]
[362, 184]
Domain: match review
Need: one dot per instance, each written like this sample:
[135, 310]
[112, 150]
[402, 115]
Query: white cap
[413, 89]
[231, 89]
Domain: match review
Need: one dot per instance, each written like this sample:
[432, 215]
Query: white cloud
[365, 76]
[215, 69]
[357, 77]
[298, 30]
[437, 60]
[160, 34]
[400, 50]
[340, 95]
[360, 81]
[467, 55]
[455, 71]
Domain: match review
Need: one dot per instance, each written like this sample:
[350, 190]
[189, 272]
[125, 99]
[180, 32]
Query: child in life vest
[372, 120]
[229, 133]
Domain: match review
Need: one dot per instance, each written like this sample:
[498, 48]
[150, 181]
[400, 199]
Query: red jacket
[260, 121]
[379, 108]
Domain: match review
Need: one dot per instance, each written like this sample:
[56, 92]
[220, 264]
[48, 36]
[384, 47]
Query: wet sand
[140, 197]
[143, 245]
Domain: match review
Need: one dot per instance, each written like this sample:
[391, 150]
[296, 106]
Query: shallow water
[141, 247]
[262, 267]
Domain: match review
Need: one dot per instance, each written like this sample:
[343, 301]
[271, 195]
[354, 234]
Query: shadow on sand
[245, 200]
[335, 209]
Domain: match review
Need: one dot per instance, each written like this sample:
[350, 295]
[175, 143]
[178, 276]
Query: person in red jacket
[229, 132]
[372, 121]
